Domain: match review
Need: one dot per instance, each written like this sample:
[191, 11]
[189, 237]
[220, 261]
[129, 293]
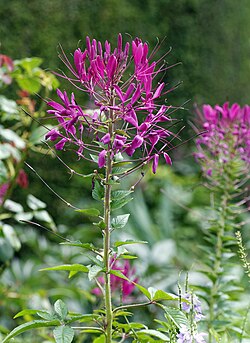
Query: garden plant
[127, 128]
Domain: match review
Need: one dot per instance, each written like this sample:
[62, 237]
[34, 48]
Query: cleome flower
[227, 136]
[128, 117]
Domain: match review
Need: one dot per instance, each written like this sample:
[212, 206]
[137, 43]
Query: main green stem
[106, 245]
[106, 238]
[218, 264]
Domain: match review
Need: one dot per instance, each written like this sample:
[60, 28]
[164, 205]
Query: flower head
[128, 101]
[226, 137]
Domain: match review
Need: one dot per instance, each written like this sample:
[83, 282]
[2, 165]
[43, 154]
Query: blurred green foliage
[210, 38]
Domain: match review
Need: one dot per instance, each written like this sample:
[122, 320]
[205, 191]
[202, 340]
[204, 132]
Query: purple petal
[136, 95]
[61, 143]
[119, 92]
[167, 158]
[129, 91]
[155, 163]
[130, 151]
[52, 135]
[111, 66]
[102, 159]
[106, 138]
[55, 105]
[119, 142]
[132, 118]
[158, 91]
[137, 142]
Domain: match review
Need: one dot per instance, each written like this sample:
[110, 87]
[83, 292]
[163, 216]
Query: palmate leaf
[63, 334]
[28, 326]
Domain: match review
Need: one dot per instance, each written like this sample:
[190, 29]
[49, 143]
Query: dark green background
[209, 37]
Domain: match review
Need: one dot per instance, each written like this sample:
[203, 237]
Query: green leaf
[37, 135]
[157, 295]
[29, 63]
[34, 203]
[3, 173]
[28, 326]
[119, 203]
[127, 257]
[98, 191]
[101, 224]
[100, 339]
[127, 242]
[44, 216]
[176, 316]
[82, 318]
[120, 221]
[119, 274]
[93, 271]
[69, 267]
[47, 315]
[7, 150]
[11, 236]
[31, 84]
[61, 309]
[143, 290]
[13, 206]
[93, 212]
[87, 246]
[94, 158]
[25, 312]
[6, 250]
[8, 106]
[153, 333]
[120, 194]
[10, 136]
[63, 334]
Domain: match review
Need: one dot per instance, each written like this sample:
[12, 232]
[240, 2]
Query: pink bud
[102, 159]
[155, 163]
[167, 158]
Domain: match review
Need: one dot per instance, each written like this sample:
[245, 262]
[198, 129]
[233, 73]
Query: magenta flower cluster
[227, 135]
[120, 85]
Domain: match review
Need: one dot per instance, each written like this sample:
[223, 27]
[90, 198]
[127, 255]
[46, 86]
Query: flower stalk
[106, 243]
